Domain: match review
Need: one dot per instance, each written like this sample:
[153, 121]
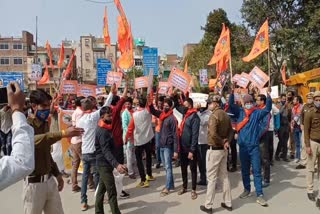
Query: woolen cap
[247, 98]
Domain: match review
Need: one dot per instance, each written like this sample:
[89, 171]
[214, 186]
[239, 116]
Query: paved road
[287, 194]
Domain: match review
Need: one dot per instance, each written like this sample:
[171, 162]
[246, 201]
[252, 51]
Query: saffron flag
[126, 60]
[283, 74]
[61, 59]
[261, 43]
[222, 48]
[48, 47]
[67, 72]
[122, 13]
[106, 35]
[45, 78]
[122, 35]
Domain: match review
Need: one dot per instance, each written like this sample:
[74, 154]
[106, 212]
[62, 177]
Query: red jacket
[117, 123]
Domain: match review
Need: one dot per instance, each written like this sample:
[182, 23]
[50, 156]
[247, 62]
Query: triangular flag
[222, 47]
[106, 35]
[261, 43]
[186, 67]
[122, 35]
[67, 72]
[45, 78]
[61, 59]
[48, 47]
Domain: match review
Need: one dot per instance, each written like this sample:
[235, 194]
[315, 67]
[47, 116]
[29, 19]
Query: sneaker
[206, 210]
[150, 178]
[261, 201]
[300, 166]
[124, 195]
[143, 184]
[265, 184]
[223, 205]
[245, 194]
[84, 207]
[76, 189]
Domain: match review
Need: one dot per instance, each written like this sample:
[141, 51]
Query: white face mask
[317, 104]
[248, 106]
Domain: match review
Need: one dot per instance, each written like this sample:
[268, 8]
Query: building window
[138, 62]
[4, 61]
[4, 46]
[17, 61]
[86, 42]
[17, 46]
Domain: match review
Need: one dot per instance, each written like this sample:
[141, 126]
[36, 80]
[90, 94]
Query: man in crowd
[289, 106]
[250, 128]
[5, 132]
[219, 134]
[168, 141]
[41, 192]
[312, 143]
[159, 103]
[141, 132]
[306, 108]
[189, 134]
[21, 162]
[106, 162]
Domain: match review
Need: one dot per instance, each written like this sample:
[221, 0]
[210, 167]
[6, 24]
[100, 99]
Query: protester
[189, 134]
[159, 103]
[41, 192]
[168, 142]
[219, 135]
[295, 125]
[5, 132]
[106, 162]
[292, 147]
[312, 139]
[20, 163]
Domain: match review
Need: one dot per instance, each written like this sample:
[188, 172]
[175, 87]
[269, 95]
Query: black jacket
[105, 149]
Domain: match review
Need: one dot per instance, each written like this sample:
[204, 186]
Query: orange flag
[122, 13]
[222, 48]
[48, 47]
[106, 34]
[45, 78]
[283, 74]
[186, 67]
[61, 59]
[122, 35]
[126, 60]
[69, 67]
[261, 43]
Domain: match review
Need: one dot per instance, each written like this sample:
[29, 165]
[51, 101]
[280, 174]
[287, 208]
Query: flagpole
[230, 65]
[269, 67]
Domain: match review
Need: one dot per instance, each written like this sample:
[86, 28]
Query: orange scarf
[102, 124]
[296, 109]
[188, 114]
[163, 116]
[246, 119]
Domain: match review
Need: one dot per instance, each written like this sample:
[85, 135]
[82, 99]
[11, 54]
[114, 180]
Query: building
[91, 49]
[188, 48]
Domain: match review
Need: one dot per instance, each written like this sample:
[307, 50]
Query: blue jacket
[258, 123]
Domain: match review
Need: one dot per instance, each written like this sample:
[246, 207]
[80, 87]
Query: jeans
[251, 156]
[5, 140]
[139, 151]
[202, 154]
[265, 143]
[166, 158]
[106, 183]
[184, 169]
[297, 140]
[89, 161]
[283, 142]
[157, 139]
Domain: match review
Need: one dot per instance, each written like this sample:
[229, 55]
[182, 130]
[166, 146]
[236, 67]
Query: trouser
[266, 140]
[89, 161]
[297, 142]
[202, 153]
[234, 154]
[250, 156]
[131, 159]
[5, 139]
[119, 153]
[166, 158]
[217, 168]
[304, 156]
[157, 139]
[283, 142]
[76, 159]
[38, 197]
[57, 155]
[106, 183]
[139, 151]
[311, 161]
[184, 169]
[292, 143]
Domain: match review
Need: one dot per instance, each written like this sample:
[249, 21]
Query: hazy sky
[166, 24]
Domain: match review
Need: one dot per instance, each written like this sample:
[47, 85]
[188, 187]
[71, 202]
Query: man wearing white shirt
[21, 162]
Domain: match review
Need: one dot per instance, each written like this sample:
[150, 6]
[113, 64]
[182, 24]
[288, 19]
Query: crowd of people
[118, 136]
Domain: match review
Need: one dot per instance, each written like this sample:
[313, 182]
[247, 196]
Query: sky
[166, 24]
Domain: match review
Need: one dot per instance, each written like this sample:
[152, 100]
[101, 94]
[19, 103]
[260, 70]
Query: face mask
[317, 104]
[109, 122]
[248, 106]
[283, 102]
[166, 110]
[43, 114]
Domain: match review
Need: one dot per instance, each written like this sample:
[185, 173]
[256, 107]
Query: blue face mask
[43, 114]
[248, 106]
[317, 104]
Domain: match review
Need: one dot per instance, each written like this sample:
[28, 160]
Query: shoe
[261, 201]
[223, 205]
[182, 191]
[164, 192]
[76, 189]
[150, 178]
[300, 167]
[277, 158]
[265, 184]
[202, 183]
[206, 210]
[285, 159]
[84, 207]
[143, 184]
[177, 164]
[311, 197]
[318, 203]
[292, 157]
[245, 194]
[194, 195]
[158, 165]
[124, 195]
[233, 169]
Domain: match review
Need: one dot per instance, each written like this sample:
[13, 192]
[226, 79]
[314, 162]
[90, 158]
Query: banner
[203, 74]
[114, 77]
[179, 79]
[199, 98]
[258, 77]
[243, 80]
[164, 88]
[221, 82]
[86, 90]
[69, 87]
[141, 82]
[101, 91]
[274, 92]
[7, 77]
[236, 77]
[239, 92]
[36, 72]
